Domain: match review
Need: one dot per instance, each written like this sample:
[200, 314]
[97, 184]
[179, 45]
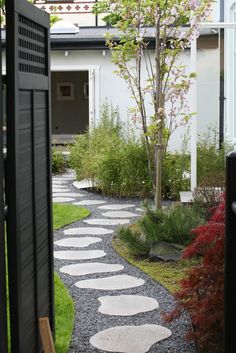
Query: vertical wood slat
[3, 289]
[29, 233]
[230, 259]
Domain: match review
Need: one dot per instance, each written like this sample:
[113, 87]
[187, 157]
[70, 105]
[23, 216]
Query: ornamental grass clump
[202, 289]
[171, 225]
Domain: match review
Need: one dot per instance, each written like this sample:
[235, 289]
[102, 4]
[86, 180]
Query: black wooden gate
[28, 175]
[230, 255]
[3, 310]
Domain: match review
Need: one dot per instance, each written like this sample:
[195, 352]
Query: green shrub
[58, 161]
[176, 172]
[172, 225]
[117, 165]
[211, 159]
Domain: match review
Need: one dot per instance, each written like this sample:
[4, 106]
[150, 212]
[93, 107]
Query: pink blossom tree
[173, 24]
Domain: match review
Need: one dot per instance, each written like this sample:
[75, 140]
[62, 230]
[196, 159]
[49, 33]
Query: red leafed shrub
[202, 289]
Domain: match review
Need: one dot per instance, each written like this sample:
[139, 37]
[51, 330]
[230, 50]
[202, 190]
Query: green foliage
[176, 172]
[172, 225]
[132, 239]
[115, 164]
[64, 316]
[211, 159]
[58, 161]
[54, 19]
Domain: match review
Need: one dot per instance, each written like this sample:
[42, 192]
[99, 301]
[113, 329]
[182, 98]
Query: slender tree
[161, 77]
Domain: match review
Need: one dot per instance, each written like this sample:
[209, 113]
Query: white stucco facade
[230, 72]
[105, 84]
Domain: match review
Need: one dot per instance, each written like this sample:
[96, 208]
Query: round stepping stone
[126, 305]
[89, 203]
[139, 209]
[60, 190]
[106, 222]
[90, 268]
[79, 255]
[61, 181]
[87, 231]
[62, 199]
[78, 242]
[83, 184]
[129, 339]
[119, 214]
[111, 283]
[67, 194]
[116, 207]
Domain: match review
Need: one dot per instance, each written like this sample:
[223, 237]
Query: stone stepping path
[116, 207]
[84, 184]
[107, 222]
[88, 231]
[54, 190]
[111, 283]
[129, 339]
[90, 268]
[67, 194]
[62, 199]
[126, 318]
[119, 214]
[89, 203]
[79, 255]
[78, 242]
[126, 305]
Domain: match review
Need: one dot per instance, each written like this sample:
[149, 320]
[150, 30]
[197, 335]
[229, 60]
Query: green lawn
[64, 306]
[65, 214]
[64, 316]
[167, 273]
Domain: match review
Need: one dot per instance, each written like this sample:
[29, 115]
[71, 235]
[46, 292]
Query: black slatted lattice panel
[32, 47]
[30, 243]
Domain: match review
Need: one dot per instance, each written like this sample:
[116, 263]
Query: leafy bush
[116, 165]
[58, 161]
[172, 225]
[211, 160]
[176, 171]
[202, 290]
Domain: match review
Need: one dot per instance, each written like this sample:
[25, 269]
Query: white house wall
[230, 72]
[114, 89]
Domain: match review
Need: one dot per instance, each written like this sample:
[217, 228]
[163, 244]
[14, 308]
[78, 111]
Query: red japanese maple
[202, 289]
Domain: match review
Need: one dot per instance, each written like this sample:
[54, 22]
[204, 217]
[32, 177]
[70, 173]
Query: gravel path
[89, 321]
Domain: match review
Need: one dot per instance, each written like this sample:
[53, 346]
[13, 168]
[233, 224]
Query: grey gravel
[88, 321]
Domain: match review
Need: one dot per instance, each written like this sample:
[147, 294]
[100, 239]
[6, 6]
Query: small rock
[163, 251]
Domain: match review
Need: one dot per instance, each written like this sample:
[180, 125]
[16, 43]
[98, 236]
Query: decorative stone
[67, 194]
[79, 255]
[119, 214]
[60, 190]
[126, 305]
[89, 203]
[87, 231]
[83, 184]
[138, 209]
[111, 283]
[78, 242]
[58, 183]
[90, 268]
[106, 222]
[129, 339]
[163, 251]
[116, 206]
[62, 199]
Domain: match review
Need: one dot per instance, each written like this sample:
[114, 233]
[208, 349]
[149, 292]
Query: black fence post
[3, 300]
[230, 254]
